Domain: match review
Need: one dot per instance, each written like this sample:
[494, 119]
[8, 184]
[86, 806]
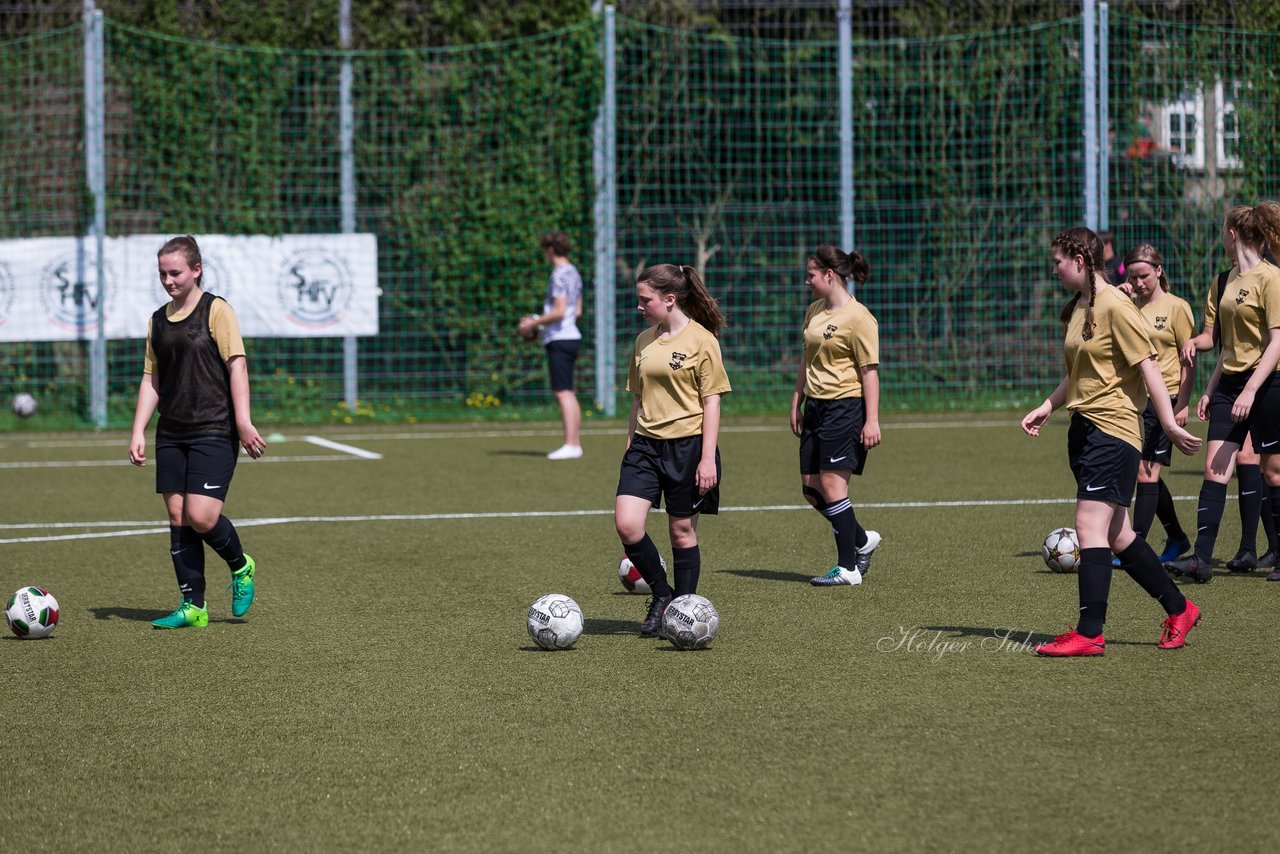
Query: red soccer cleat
[1177, 627]
[1072, 643]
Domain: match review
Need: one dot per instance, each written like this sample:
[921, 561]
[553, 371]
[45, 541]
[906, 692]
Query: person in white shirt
[561, 337]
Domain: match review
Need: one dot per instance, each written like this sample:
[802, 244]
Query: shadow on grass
[508, 453]
[769, 575]
[146, 615]
[142, 615]
[1031, 639]
[595, 626]
[540, 649]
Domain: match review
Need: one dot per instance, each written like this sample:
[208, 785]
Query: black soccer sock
[644, 554]
[1213, 498]
[224, 540]
[1168, 514]
[815, 499]
[1144, 508]
[1273, 498]
[1093, 579]
[1268, 515]
[688, 565]
[1143, 565]
[186, 549]
[1249, 483]
[844, 524]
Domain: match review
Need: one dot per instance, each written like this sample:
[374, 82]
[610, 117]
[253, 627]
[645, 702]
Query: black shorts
[198, 465]
[560, 358]
[1106, 468]
[831, 435]
[1262, 422]
[652, 468]
[1156, 446]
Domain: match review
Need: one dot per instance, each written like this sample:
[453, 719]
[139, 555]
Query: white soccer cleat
[837, 576]
[566, 452]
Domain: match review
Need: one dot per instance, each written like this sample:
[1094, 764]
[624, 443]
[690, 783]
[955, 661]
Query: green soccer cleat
[187, 615]
[242, 588]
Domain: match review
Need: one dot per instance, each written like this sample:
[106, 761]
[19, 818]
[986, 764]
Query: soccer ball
[555, 621]
[1061, 550]
[32, 613]
[690, 622]
[23, 405]
[631, 577]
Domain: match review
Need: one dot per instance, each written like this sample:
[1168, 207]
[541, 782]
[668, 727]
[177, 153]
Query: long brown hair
[1258, 227]
[1083, 242]
[691, 294]
[1145, 253]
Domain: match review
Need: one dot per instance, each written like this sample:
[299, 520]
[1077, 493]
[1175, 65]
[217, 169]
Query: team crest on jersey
[1161, 322]
[831, 330]
[1241, 295]
[677, 360]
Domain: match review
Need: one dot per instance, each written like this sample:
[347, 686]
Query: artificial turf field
[383, 694]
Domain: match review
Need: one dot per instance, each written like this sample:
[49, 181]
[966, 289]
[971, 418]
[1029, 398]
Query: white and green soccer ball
[1061, 550]
[690, 622]
[555, 621]
[32, 613]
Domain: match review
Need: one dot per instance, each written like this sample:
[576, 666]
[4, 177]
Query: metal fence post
[844, 19]
[96, 177]
[606, 244]
[1089, 57]
[347, 179]
[1104, 122]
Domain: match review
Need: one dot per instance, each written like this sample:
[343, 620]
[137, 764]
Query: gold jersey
[837, 345]
[1169, 325]
[1104, 383]
[1250, 308]
[223, 326]
[672, 376]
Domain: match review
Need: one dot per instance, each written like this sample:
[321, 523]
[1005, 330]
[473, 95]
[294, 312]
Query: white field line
[69, 464]
[502, 434]
[338, 446]
[150, 527]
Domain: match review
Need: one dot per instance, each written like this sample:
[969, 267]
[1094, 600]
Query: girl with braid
[196, 375]
[1109, 360]
[835, 409]
[1243, 395]
[677, 377]
[1170, 326]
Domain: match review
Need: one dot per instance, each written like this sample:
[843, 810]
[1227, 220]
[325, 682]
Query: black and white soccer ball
[690, 622]
[555, 621]
[23, 405]
[1061, 550]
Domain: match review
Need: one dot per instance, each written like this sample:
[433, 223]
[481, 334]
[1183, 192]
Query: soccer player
[835, 409]
[1169, 325]
[1251, 493]
[677, 377]
[196, 375]
[1109, 359]
[1242, 397]
[561, 338]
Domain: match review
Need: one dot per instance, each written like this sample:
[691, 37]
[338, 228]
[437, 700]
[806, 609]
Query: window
[1184, 128]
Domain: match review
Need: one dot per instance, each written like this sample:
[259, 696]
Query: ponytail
[691, 294]
[849, 265]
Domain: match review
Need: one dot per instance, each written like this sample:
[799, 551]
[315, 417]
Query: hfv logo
[315, 287]
[69, 290]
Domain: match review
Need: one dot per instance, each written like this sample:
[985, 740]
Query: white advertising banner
[294, 286]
